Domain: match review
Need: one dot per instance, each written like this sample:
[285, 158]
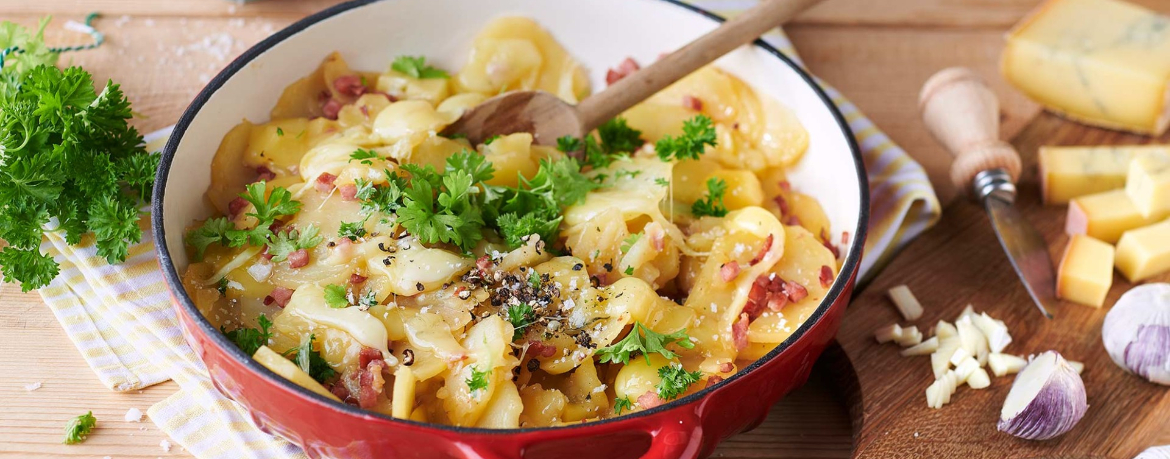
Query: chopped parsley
[279, 132]
[533, 279]
[311, 361]
[441, 207]
[713, 204]
[352, 230]
[675, 381]
[79, 428]
[568, 144]
[521, 316]
[222, 285]
[644, 341]
[250, 339]
[557, 184]
[416, 66]
[478, 380]
[69, 153]
[631, 173]
[286, 242]
[336, 296]
[698, 133]
[368, 299]
[619, 137]
[623, 403]
[629, 270]
[662, 181]
[629, 241]
[364, 156]
[491, 139]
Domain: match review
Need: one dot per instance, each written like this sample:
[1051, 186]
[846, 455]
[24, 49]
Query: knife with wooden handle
[963, 114]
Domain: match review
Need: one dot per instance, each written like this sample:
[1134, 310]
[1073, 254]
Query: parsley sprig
[311, 361]
[521, 316]
[336, 296]
[698, 133]
[713, 204]
[285, 242]
[675, 381]
[618, 140]
[623, 403]
[79, 428]
[363, 156]
[266, 210]
[416, 66]
[250, 339]
[68, 153]
[642, 340]
[478, 380]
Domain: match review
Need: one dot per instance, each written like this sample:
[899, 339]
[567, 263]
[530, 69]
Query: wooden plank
[988, 14]
[957, 263]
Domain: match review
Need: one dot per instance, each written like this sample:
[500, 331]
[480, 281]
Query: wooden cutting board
[960, 262]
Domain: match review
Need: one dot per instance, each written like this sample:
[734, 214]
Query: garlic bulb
[1155, 452]
[1137, 332]
[1046, 400]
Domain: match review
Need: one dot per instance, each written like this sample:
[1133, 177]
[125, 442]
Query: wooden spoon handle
[963, 114]
[640, 85]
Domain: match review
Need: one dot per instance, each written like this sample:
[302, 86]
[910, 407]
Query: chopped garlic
[906, 303]
[969, 335]
[967, 311]
[994, 330]
[940, 363]
[945, 329]
[965, 368]
[888, 333]
[1004, 364]
[960, 356]
[939, 393]
[910, 337]
[978, 379]
[923, 348]
[1077, 366]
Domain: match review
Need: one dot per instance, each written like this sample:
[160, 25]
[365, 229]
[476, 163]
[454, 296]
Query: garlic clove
[1155, 452]
[1136, 332]
[1046, 400]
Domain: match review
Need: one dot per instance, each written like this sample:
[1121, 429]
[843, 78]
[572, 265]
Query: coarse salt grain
[165, 445]
[32, 386]
[133, 415]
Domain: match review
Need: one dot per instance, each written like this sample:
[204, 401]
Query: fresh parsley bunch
[69, 154]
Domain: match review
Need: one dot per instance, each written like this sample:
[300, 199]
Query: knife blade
[1026, 249]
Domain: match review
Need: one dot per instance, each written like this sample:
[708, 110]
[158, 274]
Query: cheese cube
[1148, 184]
[1144, 252]
[1071, 172]
[1105, 216]
[1086, 271]
[1102, 62]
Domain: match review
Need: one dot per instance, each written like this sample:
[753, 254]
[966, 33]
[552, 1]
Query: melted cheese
[308, 303]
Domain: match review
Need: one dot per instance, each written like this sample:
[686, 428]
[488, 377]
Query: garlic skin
[1046, 400]
[1136, 332]
[1155, 452]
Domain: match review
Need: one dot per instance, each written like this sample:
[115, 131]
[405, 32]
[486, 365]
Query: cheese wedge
[1086, 271]
[1105, 216]
[1148, 184]
[1102, 62]
[1072, 172]
[1144, 252]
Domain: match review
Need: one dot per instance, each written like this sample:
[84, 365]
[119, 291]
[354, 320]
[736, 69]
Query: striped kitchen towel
[121, 318]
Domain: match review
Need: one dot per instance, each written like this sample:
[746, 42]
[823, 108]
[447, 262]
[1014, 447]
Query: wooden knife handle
[640, 85]
[963, 114]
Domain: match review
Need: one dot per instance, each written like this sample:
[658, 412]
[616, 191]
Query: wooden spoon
[548, 118]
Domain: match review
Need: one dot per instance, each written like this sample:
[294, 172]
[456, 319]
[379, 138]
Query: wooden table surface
[877, 52]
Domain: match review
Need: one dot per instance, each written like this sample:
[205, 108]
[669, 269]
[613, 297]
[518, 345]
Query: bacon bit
[324, 182]
[264, 173]
[782, 203]
[692, 103]
[298, 258]
[826, 276]
[368, 355]
[650, 400]
[829, 245]
[785, 185]
[350, 85]
[264, 254]
[795, 292]
[739, 331]
[278, 295]
[844, 238]
[776, 303]
[623, 70]
[348, 192]
[763, 250]
[792, 220]
[365, 111]
[371, 383]
[331, 108]
[277, 226]
[339, 390]
[484, 263]
[759, 290]
[541, 349]
[236, 206]
[357, 279]
[713, 380]
[726, 367]
[729, 270]
[388, 96]
[657, 236]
